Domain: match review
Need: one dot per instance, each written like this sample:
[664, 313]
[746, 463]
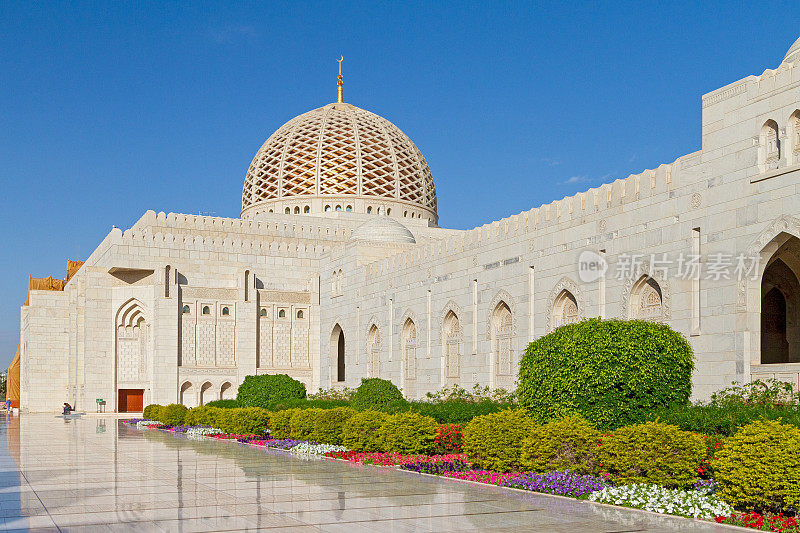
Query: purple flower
[437, 468]
[565, 483]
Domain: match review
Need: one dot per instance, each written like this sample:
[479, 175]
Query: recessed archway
[337, 352]
[187, 394]
[780, 306]
[205, 393]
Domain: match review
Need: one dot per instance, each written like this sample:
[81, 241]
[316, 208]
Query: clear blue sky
[108, 109]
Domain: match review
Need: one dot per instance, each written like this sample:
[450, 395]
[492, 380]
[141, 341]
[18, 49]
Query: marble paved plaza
[96, 474]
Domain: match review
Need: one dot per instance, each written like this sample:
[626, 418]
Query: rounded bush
[280, 423]
[261, 391]
[202, 416]
[494, 441]
[375, 394]
[303, 422]
[759, 467]
[329, 424]
[608, 371]
[173, 414]
[408, 433]
[567, 444]
[360, 432]
[152, 412]
[652, 452]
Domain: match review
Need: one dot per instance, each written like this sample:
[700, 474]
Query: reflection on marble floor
[97, 474]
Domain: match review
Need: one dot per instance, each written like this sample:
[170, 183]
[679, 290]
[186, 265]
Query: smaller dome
[794, 53]
[383, 229]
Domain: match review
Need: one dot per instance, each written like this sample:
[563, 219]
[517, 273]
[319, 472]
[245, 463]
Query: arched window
[339, 277]
[187, 394]
[297, 210]
[226, 311]
[405, 214]
[369, 209]
[287, 211]
[263, 311]
[770, 146]
[389, 211]
[300, 313]
[271, 211]
[282, 313]
[410, 349]
[502, 336]
[338, 208]
[565, 309]
[206, 310]
[373, 351]
[306, 209]
[452, 345]
[327, 208]
[646, 300]
[349, 208]
[379, 210]
[186, 310]
[337, 349]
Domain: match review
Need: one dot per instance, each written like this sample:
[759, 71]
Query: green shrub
[408, 433]
[566, 444]
[759, 467]
[723, 419]
[242, 420]
[608, 371]
[173, 414]
[296, 403]
[360, 432]
[652, 452]
[302, 423]
[152, 412]
[224, 404]
[494, 441]
[260, 391]
[280, 423]
[375, 393]
[202, 416]
[329, 424]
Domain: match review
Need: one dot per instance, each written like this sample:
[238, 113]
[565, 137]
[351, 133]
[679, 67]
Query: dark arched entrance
[774, 346]
[337, 347]
[780, 309]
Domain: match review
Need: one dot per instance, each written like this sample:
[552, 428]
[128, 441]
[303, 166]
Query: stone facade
[184, 307]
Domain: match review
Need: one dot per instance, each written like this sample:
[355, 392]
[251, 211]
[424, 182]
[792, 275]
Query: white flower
[307, 448]
[659, 499]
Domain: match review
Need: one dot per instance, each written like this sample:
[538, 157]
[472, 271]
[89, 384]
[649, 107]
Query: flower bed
[437, 468]
[565, 483]
[392, 459]
[483, 476]
[655, 498]
[201, 431]
[779, 522]
[283, 444]
[308, 448]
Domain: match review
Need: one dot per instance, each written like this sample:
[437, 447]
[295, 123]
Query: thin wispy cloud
[551, 162]
[576, 179]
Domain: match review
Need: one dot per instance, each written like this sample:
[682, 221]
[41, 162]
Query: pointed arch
[409, 343]
[226, 391]
[131, 344]
[508, 300]
[502, 339]
[187, 394]
[337, 347]
[564, 303]
[793, 134]
[374, 349]
[769, 152]
[452, 337]
[206, 393]
[646, 300]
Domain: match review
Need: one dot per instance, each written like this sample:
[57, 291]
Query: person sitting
[67, 408]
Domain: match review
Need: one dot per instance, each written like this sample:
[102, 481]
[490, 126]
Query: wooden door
[130, 400]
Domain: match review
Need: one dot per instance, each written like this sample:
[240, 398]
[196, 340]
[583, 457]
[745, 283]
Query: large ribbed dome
[340, 158]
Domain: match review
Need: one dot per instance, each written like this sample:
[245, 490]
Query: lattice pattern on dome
[339, 150]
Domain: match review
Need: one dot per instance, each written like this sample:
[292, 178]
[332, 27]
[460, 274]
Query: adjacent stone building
[338, 269]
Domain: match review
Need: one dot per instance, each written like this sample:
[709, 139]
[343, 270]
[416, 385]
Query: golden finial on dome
[339, 95]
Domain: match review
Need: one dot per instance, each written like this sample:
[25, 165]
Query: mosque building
[338, 269]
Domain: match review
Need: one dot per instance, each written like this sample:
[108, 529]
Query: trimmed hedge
[224, 404]
[567, 444]
[173, 414]
[360, 432]
[241, 420]
[723, 420]
[408, 433]
[494, 441]
[152, 412]
[260, 391]
[652, 452]
[608, 371]
[376, 394]
[302, 423]
[280, 423]
[759, 467]
[329, 423]
[202, 416]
